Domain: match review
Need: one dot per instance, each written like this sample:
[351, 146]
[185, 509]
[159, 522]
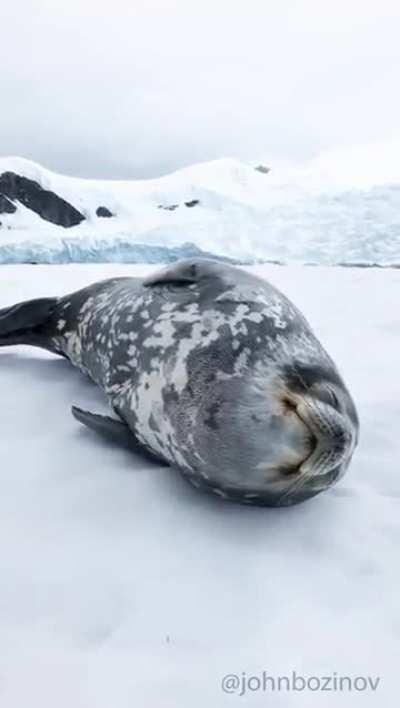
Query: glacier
[116, 250]
[341, 208]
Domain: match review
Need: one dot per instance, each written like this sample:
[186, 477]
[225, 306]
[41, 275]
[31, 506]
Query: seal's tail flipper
[25, 322]
[115, 430]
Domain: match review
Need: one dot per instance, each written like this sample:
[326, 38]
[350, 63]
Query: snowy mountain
[324, 212]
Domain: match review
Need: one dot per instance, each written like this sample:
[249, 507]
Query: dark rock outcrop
[46, 204]
[102, 211]
[168, 207]
[263, 169]
[172, 207]
[6, 207]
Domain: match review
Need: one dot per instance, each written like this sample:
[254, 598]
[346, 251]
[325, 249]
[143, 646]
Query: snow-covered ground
[341, 207]
[122, 586]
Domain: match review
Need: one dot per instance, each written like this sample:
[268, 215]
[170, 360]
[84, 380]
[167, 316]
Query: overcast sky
[137, 88]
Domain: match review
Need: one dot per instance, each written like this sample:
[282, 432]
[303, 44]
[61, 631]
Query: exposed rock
[168, 207]
[172, 207]
[6, 207]
[263, 169]
[46, 204]
[102, 211]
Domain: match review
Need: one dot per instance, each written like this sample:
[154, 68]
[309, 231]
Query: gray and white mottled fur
[210, 369]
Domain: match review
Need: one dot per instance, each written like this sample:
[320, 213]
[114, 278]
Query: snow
[343, 206]
[123, 586]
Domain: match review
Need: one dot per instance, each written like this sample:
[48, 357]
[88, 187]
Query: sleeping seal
[208, 368]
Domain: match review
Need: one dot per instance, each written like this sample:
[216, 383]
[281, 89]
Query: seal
[208, 368]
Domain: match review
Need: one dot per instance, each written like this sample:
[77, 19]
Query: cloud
[128, 89]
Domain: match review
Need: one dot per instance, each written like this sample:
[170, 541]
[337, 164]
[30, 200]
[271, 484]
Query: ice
[342, 207]
[123, 586]
[118, 250]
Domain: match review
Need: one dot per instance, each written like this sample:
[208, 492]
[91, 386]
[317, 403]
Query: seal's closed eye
[326, 394]
[184, 273]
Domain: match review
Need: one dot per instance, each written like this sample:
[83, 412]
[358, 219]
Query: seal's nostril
[289, 406]
[290, 470]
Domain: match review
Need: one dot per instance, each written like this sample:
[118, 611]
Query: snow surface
[341, 207]
[122, 586]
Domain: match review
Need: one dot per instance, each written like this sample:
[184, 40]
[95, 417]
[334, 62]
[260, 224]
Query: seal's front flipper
[117, 431]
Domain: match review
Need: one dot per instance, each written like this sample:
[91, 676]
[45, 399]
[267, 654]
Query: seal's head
[260, 411]
[317, 399]
[292, 435]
